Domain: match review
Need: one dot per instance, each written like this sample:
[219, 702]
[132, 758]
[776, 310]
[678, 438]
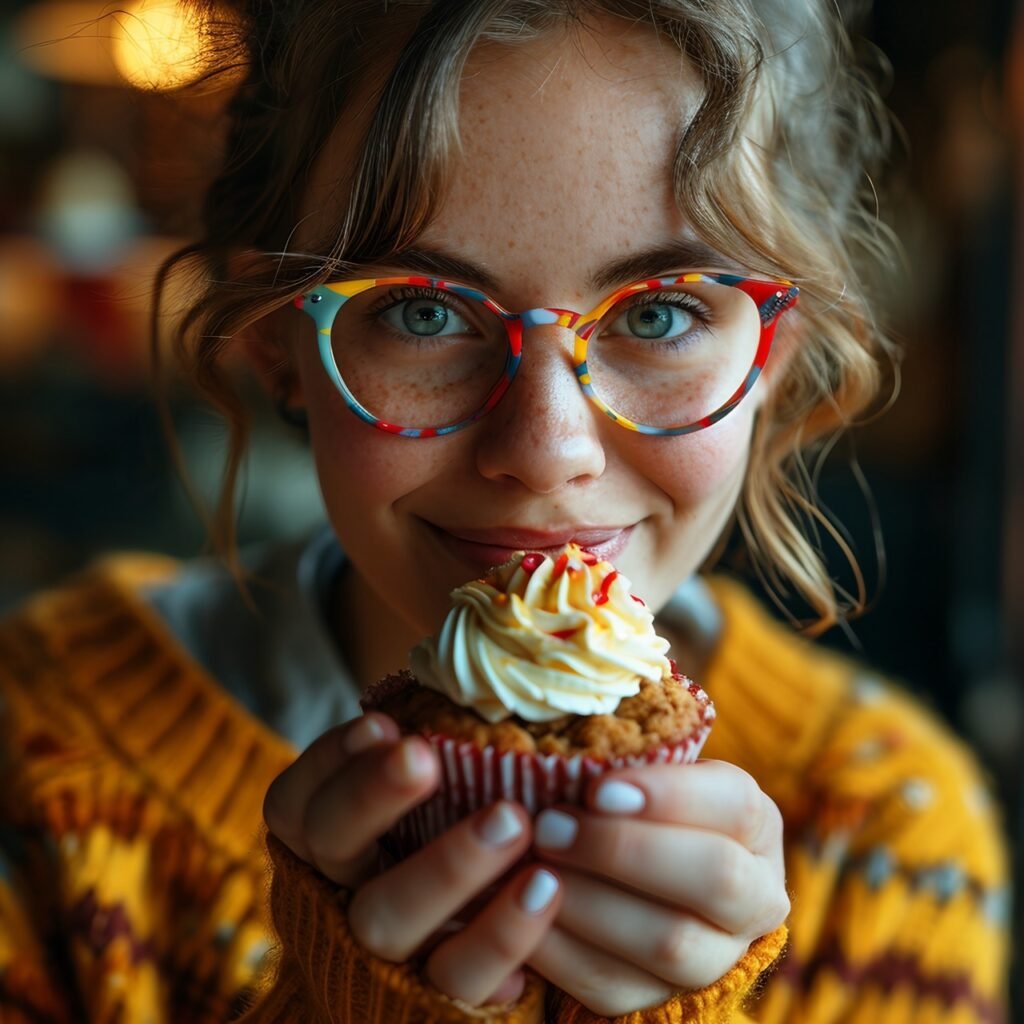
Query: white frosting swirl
[541, 638]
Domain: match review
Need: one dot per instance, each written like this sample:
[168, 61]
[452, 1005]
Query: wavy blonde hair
[774, 169]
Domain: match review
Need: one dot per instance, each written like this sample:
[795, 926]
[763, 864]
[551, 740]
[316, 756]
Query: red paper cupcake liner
[474, 777]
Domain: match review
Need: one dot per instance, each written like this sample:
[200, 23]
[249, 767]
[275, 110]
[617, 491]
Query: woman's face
[566, 168]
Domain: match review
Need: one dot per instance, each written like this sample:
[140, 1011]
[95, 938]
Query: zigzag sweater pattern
[138, 885]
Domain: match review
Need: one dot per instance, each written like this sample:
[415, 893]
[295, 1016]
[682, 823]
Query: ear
[267, 348]
[266, 345]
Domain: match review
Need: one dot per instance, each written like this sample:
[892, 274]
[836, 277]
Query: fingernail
[500, 826]
[539, 892]
[363, 733]
[555, 830]
[617, 797]
[409, 762]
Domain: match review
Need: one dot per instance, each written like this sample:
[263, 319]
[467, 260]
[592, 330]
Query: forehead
[568, 144]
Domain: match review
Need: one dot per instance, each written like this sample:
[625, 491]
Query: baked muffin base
[660, 714]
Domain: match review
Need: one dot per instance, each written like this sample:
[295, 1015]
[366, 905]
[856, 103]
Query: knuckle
[753, 810]
[451, 854]
[730, 877]
[368, 922]
[273, 813]
[591, 990]
[777, 913]
[327, 831]
[782, 910]
[502, 943]
[752, 803]
[676, 951]
[770, 826]
[621, 847]
[282, 820]
[716, 967]
[773, 912]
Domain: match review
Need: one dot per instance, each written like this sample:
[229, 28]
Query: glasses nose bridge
[545, 316]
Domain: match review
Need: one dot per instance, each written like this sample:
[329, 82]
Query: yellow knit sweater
[138, 886]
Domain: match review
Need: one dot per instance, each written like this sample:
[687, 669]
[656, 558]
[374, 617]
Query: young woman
[529, 273]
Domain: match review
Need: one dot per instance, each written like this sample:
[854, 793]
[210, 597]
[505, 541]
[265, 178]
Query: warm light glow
[151, 44]
[67, 40]
[157, 44]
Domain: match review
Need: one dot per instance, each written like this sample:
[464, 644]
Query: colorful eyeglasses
[423, 357]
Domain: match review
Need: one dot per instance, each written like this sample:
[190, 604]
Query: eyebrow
[677, 254]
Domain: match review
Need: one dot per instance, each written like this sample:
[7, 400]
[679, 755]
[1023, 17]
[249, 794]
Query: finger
[394, 913]
[354, 807]
[672, 945]
[598, 980]
[510, 990]
[476, 962]
[694, 869]
[288, 795]
[715, 795]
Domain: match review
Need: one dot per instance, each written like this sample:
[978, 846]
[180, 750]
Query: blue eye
[654, 321]
[424, 318]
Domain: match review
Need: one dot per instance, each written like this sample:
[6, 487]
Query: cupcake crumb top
[659, 713]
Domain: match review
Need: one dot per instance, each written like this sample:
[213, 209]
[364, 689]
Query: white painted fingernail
[500, 826]
[539, 892]
[555, 830]
[617, 797]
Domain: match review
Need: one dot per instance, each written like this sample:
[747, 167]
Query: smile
[484, 549]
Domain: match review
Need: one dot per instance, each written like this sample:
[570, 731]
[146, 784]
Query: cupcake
[546, 673]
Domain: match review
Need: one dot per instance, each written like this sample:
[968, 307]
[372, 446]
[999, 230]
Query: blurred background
[103, 156]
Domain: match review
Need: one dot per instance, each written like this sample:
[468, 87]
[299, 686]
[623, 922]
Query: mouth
[484, 549]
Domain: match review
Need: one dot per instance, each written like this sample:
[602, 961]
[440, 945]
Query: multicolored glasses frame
[772, 297]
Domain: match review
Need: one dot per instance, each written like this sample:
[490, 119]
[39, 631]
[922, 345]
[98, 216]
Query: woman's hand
[667, 880]
[345, 791]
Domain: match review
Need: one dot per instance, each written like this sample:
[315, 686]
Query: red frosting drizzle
[564, 634]
[531, 562]
[563, 561]
[602, 596]
[589, 558]
[639, 600]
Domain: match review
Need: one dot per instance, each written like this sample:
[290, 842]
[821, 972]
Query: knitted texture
[337, 977]
[137, 883]
[720, 1002]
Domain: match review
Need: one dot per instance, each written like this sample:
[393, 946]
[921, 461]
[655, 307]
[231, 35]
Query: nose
[544, 433]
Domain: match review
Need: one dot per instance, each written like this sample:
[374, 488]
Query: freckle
[511, 243]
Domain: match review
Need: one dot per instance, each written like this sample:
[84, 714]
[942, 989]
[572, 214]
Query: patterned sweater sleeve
[320, 973]
[321, 969]
[899, 875]
[117, 905]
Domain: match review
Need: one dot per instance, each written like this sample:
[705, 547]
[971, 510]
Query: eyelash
[688, 302]
[409, 293]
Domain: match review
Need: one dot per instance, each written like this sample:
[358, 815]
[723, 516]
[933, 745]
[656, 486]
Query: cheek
[705, 468]
[359, 466]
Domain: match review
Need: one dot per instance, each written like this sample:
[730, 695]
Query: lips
[484, 549]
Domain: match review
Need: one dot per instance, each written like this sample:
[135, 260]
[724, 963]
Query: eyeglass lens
[428, 357]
